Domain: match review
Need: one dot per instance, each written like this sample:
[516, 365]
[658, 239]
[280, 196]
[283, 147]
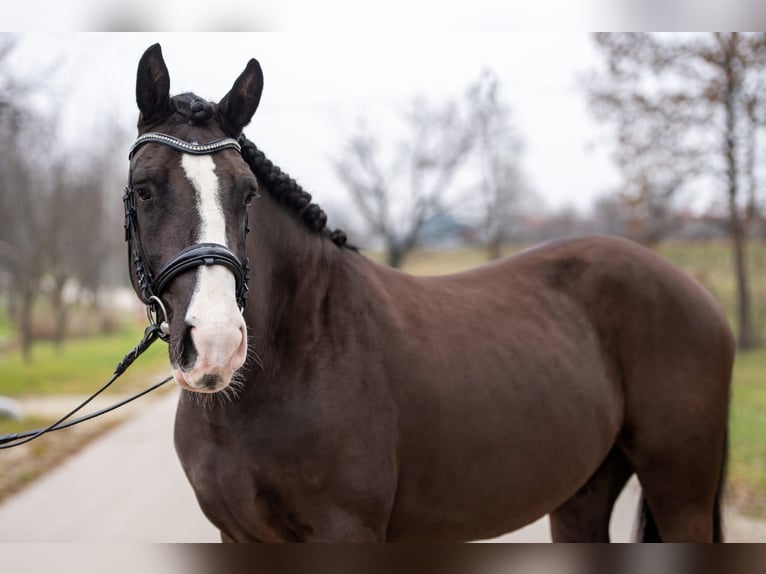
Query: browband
[184, 146]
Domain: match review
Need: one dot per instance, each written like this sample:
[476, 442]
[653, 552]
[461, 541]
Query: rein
[150, 336]
[152, 287]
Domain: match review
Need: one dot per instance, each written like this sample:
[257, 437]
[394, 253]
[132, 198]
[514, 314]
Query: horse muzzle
[210, 356]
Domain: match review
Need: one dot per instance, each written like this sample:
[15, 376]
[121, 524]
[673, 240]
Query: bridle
[152, 286]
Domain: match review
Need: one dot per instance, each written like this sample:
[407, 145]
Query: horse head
[187, 204]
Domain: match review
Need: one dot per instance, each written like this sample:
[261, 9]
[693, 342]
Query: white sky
[316, 85]
[413, 15]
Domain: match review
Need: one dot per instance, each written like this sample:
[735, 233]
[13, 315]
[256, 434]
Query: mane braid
[195, 109]
[287, 192]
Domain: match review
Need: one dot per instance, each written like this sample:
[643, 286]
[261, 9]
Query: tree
[22, 238]
[76, 243]
[22, 250]
[755, 107]
[396, 195]
[680, 105]
[501, 187]
[55, 225]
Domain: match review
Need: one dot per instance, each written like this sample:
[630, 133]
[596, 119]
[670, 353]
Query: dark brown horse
[386, 407]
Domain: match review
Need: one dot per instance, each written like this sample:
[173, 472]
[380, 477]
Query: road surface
[128, 486]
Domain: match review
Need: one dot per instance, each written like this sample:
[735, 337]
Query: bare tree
[501, 187]
[680, 106]
[398, 192]
[755, 108]
[21, 193]
[74, 238]
[656, 158]
[22, 237]
[55, 225]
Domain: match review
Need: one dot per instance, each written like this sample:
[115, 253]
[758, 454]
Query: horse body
[382, 406]
[392, 407]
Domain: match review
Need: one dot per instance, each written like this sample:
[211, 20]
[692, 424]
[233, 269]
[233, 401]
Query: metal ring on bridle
[153, 310]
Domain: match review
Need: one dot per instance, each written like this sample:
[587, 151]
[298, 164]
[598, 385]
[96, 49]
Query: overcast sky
[316, 85]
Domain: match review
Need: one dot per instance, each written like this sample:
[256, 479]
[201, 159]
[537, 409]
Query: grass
[711, 264]
[6, 327]
[80, 366]
[8, 426]
[747, 462]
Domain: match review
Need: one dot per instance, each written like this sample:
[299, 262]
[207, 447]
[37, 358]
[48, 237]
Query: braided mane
[195, 109]
[289, 193]
[282, 187]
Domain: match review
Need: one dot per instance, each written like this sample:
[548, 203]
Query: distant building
[446, 232]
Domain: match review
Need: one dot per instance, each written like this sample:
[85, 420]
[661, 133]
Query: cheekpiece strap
[184, 146]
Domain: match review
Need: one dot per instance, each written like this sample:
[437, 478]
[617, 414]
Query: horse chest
[231, 492]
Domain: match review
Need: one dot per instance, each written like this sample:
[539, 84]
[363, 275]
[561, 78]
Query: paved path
[128, 486]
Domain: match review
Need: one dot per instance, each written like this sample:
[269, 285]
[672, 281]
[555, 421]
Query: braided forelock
[195, 109]
[289, 193]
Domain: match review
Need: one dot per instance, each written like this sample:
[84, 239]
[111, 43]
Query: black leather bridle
[152, 286]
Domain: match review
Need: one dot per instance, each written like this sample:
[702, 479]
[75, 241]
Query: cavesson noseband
[193, 256]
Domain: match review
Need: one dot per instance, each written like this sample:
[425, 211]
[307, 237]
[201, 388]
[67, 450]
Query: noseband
[193, 256]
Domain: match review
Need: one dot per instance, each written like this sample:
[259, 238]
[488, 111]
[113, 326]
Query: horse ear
[236, 109]
[152, 85]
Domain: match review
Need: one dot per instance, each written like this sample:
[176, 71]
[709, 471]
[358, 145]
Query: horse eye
[251, 195]
[143, 193]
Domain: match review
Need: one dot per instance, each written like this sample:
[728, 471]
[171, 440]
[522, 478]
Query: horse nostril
[188, 355]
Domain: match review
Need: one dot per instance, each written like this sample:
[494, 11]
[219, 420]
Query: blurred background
[435, 153]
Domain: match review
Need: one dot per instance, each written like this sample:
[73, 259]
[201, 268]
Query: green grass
[747, 430]
[8, 426]
[80, 366]
[6, 327]
[712, 265]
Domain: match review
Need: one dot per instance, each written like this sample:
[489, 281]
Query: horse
[325, 397]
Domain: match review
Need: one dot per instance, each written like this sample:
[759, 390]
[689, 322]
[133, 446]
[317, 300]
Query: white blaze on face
[218, 330]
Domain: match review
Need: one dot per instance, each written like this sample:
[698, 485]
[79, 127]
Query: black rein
[150, 336]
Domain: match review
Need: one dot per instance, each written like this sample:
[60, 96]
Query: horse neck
[291, 271]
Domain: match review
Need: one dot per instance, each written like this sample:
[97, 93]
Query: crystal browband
[184, 146]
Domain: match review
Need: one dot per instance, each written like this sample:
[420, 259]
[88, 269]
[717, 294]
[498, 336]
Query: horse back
[664, 331]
